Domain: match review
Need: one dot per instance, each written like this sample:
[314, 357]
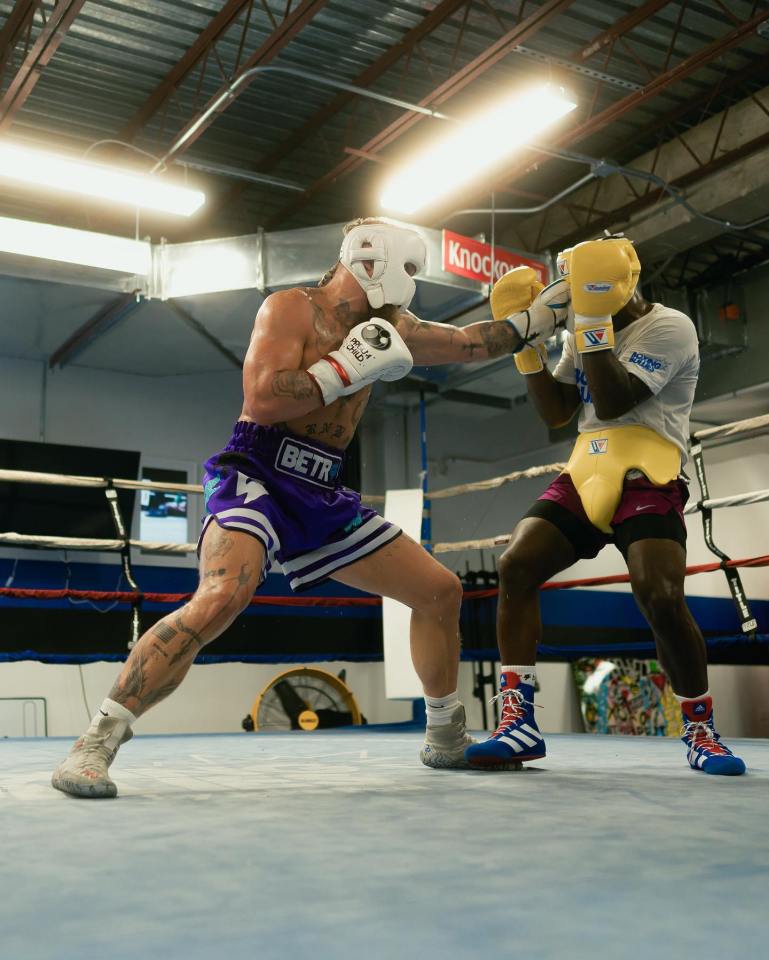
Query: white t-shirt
[661, 349]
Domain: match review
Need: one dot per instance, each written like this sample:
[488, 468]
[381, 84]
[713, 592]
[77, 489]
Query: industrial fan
[304, 698]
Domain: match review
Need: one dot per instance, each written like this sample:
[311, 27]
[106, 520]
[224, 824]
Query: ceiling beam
[435, 392]
[727, 83]
[458, 81]
[402, 48]
[45, 46]
[202, 331]
[18, 20]
[90, 331]
[205, 41]
[617, 110]
[623, 214]
[687, 66]
[273, 45]
[619, 28]
[726, 268]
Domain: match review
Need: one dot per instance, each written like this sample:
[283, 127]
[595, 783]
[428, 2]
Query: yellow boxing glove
[514, 292]
[562, 271]
[531, 359]
[603, 275]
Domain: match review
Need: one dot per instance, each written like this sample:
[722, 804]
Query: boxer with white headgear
[275, 496]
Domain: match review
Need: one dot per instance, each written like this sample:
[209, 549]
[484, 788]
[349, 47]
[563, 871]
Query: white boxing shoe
[83, 772]
[444, 746]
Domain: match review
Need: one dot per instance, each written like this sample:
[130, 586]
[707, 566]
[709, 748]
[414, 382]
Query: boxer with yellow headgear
[603, 277]
[630, 367]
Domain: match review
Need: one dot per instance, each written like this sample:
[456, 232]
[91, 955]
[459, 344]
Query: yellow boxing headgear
[514, 292]
[635, 263]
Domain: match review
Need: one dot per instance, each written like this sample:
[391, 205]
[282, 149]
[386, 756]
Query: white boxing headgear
[390, 248]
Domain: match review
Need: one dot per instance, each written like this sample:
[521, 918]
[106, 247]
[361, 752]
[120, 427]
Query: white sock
[110, 708]
[439, 709]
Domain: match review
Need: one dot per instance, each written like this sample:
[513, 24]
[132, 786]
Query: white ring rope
[495, 482]
[65, 480]
[489, 543]
[738, 500]
[101, 483]
[83, 543]
[728, 431]
[734, 430]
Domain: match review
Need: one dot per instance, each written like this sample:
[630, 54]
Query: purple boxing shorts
[285, 491]
[646, 511]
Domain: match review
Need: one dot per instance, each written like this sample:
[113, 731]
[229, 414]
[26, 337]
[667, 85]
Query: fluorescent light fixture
[472, 148]
[52, 172]
[49, 242]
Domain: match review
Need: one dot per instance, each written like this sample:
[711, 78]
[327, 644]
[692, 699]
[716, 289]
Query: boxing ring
[339, 844]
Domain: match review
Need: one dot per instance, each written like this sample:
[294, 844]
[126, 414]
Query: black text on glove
[371, 351]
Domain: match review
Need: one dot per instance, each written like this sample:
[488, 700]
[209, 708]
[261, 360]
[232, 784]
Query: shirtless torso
[295, 328]
[335, 424]
[322, 323]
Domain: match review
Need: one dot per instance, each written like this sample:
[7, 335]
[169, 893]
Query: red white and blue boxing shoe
[517, 738]
[704, 749]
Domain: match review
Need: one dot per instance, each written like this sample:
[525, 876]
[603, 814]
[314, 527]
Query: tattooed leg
[230, 568]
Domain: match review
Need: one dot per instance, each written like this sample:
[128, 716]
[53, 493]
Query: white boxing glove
[548, 313]
[374, 350]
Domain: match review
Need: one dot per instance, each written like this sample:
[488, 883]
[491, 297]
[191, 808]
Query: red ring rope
[623, 577]
[301, 601]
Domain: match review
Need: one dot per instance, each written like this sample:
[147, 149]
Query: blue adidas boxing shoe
[517, 738]
[704, 749]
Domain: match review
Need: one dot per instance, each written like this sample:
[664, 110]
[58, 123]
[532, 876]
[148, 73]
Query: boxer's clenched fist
[374, 350]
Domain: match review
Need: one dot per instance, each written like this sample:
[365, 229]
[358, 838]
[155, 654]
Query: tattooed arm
[434, 343]
[274, 388]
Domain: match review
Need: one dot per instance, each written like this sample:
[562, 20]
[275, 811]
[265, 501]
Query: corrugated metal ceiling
[115, 55]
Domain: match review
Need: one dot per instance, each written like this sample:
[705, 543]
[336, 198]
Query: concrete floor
[340, 845]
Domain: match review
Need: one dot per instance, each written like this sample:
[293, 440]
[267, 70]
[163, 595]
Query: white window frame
[195, 512]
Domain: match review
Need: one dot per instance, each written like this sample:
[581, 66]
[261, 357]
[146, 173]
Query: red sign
[472, 259]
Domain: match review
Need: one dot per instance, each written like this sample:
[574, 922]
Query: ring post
[125, 556]
[748, 623]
